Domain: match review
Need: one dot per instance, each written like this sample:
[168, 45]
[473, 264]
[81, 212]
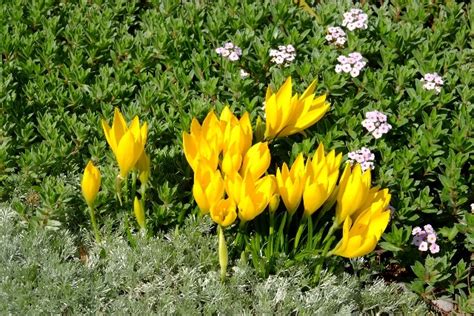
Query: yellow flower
[204, 143]
[233, 185]
[291, 183]
[139, 212]
[256, 160]
[127, 144]
[287, 114]
[361, 236]
[274, 203]
[236, 131]
[353, 191]
[90, 183]
[208, 187]
[232, 159]
[322, 173]
[143, 166]
[224, 212]
[255, 196]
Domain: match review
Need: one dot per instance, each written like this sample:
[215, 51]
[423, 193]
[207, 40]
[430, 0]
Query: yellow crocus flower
[200, 146]
[291, 183]
[353, 191]
[90, 183]
[360, 237]
[127, 144]
[208, 187]
[255, 196]
[256, 160]
[322, 173]
[232, 159]
[224, 212]
[233, 184]
[287, 114]
[139, 212]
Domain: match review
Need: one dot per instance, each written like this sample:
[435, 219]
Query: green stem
[299, 232]
[94, 224]
[309, 241]
[134, 183]
[327, 241]
[271, 232]
[118, 188]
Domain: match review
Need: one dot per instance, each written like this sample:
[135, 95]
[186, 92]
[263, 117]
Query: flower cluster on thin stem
[355, 19]
[362, 156]
[352, 63]
[336, 36]
[284, 55]
[230, 51]
[432, 81]
[425, 239]
[376, 123]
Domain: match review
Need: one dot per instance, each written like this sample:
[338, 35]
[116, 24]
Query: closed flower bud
[291, 183]
[139, 212]
[90, 183]
[274, 203]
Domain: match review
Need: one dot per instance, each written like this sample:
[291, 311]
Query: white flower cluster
[376, 123]
[230, 51]
[336, 36]
[243, 74]
[433, 82]
[283, 55]
[362, 156]
[355, 19]
[353, 64]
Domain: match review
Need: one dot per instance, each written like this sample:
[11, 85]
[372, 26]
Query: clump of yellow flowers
[232, 182]
[127, 142]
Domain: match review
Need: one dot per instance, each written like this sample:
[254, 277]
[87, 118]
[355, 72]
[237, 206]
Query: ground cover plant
[397, 79]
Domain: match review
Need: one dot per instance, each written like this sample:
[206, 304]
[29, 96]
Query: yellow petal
[90, 183]
[224, 212]
[126, 153]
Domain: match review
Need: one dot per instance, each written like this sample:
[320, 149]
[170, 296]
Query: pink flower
[423, 246]
[434, 248]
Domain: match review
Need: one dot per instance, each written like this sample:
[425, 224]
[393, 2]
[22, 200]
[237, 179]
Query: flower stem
[223, 256]
[94, 224]
[118, 189]
[299, 233]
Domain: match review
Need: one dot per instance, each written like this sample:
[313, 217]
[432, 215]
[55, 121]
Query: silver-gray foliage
[175, 273]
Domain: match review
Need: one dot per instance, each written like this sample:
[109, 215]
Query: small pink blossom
[423, 246]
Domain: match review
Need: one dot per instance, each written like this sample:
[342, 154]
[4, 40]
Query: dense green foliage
[66, 64]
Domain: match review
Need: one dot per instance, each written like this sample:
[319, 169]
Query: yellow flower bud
[274, 203]
[139, 212]
[291, 183]
[90, 183]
